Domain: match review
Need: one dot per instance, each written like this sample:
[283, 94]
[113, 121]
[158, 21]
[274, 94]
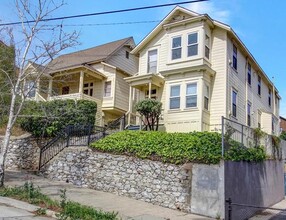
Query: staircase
[77, 135]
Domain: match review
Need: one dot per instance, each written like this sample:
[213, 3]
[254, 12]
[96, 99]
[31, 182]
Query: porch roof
[74, 69]
[139, 80]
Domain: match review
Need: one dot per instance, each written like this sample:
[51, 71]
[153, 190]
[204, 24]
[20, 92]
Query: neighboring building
[200, 70]
[282, 123]
[95, 74]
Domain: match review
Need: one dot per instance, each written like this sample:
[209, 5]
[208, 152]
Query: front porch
[81, 83]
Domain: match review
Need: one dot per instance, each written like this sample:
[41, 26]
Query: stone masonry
[22, 154]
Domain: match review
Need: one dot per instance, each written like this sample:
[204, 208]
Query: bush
[177, 148]
[48, 118]
[151, 110]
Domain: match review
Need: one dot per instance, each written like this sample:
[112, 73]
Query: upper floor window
[193, 44]
[88, 89]
[127, 54]
[30, 88]
[273, 124]
[269, 97]
[259, 85]
[249, 114]
[259, 120]
[175, 97]
[249, 74]
[176, 48]
[191, 95]
[234, 103]
[234, 57]
[206, 97]
[152, 61]
[207, 46]
[107, 89]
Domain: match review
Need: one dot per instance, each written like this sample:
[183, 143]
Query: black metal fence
[235, 211]
[247, 137]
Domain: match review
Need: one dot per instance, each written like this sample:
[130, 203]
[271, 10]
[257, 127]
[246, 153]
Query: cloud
[211, 9]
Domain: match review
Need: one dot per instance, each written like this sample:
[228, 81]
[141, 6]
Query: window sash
[176, 48]
[207, 46]
[248, 114]
[234, 103]
[152, 61]
[206, 98]
[107, 89]
[259, 85]
[193, 44]
[175, 101]
[234, 57]
[249, 74]
[191, 95]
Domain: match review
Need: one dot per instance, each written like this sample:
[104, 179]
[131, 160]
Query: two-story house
[200, 70]
[95, 74]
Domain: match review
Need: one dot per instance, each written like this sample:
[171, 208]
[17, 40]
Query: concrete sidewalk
[127, 208]
[14, 209]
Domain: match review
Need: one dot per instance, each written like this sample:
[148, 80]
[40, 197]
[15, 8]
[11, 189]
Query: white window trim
[182, 48]
[151, 49]
[208, 46]
[207, 95]
[104, 94]
[233, 90]
[187, 44]
[249, 104]
[170, 89]
[186, 85]
[236, 56]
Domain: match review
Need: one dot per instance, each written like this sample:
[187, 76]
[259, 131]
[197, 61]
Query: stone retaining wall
[184, 187]
[23, 153]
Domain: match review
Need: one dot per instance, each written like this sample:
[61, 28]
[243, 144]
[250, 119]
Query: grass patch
[66, 209]
[176, 148]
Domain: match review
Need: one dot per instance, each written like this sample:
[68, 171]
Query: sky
[259, 24]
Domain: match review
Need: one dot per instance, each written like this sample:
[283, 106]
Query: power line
[103, 13]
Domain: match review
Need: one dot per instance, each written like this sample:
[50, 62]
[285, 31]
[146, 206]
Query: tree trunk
[6, 140]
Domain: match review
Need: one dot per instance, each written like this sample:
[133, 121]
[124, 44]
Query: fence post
[68, 134]
[229, 208]
[242, 135]
[222, 136]
[89, 134]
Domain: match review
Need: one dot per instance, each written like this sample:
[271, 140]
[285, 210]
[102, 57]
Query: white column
[50, 88]
[150, 87]
[37, 89]
[130, 104]
[80, 91]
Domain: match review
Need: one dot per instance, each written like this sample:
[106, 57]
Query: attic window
[127, 54]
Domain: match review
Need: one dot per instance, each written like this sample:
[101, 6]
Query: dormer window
[192, 44]
[176, 48]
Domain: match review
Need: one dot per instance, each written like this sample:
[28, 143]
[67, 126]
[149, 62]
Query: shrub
[177, 148]
[283, 135]
[48, 118]
[150, 109]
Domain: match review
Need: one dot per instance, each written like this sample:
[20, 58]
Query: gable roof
[213, 22]
[95, 54]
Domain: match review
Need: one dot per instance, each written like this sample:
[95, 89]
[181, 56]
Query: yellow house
[200, 70]
[95, 74]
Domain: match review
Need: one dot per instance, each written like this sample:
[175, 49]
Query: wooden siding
[122, 92]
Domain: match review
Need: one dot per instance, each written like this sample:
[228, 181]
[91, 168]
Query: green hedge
[48, 118]
[177, 148]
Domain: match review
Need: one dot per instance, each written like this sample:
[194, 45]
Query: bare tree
[36, 42]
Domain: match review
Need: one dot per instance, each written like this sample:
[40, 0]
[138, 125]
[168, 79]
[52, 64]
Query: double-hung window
[207, 46]
[107, 89]
[152, 61]
[234, 57]
[31, 88]
[249, 74]
[176, 48]
[193, 44]
[175, 97]
[269, 97]
[191, 95]
[234, 103]
[249, 114]
[206, 97]
[259, 85]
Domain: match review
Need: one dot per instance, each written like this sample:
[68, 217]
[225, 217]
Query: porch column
[50, 88]
[80, 91]
[150, 87]
[130, 104]
[37, 89]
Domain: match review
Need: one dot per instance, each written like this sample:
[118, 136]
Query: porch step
[133, 127]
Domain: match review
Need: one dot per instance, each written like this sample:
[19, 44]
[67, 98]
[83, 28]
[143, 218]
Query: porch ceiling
[141, 80]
